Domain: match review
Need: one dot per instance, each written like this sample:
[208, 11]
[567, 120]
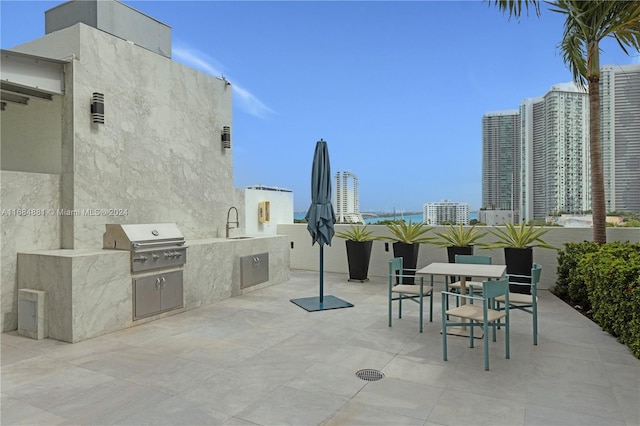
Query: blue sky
[397, 89]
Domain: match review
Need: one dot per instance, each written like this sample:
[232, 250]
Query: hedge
[569, 286]
[605, 281]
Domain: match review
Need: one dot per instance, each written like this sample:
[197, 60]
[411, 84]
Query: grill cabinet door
[171, 295]
[146, 296]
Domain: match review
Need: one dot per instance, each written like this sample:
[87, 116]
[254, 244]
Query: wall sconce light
[97, 108]
[226, 137]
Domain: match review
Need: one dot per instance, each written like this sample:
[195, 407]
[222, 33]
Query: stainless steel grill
[158, 252]
[152, 245]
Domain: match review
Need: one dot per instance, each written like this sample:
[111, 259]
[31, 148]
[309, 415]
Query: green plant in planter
[458, 236]
[521, 236]
[356, 233]
[408, 233]
[406, 238]
[518, 242]
[358, 241]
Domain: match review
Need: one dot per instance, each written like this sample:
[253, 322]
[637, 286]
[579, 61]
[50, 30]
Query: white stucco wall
[306, 257]
[281, 205]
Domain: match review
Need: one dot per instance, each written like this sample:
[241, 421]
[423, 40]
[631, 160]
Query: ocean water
[415, 218]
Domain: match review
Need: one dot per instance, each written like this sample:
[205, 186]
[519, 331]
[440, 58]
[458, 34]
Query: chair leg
[400, 305]
[445, 300]
[446, 288]
[495, 324]
[486, 344]
[534, 310]
[431, 305]
[506, 338]
[431, 301]
[421, 298]
[390, 306]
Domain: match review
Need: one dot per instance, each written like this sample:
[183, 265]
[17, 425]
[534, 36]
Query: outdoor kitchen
[121, 198]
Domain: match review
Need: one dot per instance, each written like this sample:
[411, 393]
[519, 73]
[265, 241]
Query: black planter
[519, 262]
[409, 255]
[451, 253]
[358, 255]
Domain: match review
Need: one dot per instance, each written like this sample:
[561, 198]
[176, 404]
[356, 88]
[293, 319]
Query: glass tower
[501, 152]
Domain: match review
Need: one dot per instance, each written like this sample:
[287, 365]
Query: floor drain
[369, 375]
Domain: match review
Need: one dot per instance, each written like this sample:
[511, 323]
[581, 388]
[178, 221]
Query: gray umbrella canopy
[321, 217]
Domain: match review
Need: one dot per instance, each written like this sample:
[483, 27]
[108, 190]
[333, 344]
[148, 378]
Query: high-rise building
[555, 153]
[501, 161]
[536, 160]
[444, 212]
[346, 202]
[620, 136]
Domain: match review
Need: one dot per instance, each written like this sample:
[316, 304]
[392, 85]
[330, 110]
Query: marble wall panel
[89, 291]
[102, 294]
[207, 274]
[158, 157]
[212, 272]
[120, 166]
[38, 229]
[158, 154]
[50, 273]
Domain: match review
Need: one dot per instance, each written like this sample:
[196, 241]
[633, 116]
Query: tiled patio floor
[258, 359]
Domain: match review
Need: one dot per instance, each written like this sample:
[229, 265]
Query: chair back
[395, 267]
[536, 270]
[473, 259]
[494, 288]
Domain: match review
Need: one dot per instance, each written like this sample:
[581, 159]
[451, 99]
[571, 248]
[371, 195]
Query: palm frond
[515, 7]
[587, 24]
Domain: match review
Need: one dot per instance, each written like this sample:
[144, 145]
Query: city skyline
[398, 95]
[536, 158]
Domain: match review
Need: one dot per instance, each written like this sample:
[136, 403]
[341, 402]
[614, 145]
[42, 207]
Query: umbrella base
[312, 304]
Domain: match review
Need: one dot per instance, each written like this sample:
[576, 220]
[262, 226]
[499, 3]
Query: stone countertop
[235, 238]
[100, 251]
[76, 252]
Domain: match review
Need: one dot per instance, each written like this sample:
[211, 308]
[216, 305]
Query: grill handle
[151, 244]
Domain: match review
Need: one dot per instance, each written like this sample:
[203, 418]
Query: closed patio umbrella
[321, 217]
[320, 220]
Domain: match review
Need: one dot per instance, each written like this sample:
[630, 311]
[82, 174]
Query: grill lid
[137, 236]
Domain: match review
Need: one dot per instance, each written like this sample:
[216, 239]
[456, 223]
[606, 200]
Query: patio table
[463, 270]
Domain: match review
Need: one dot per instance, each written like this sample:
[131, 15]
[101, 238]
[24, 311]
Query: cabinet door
[146, 296]
[171, 295]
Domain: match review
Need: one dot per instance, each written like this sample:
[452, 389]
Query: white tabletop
[464, 269]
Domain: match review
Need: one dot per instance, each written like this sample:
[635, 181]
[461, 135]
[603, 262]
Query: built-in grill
[158, 252]
[152, 245]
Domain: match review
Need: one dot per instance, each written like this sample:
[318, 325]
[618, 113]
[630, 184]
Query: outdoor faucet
[237, 221]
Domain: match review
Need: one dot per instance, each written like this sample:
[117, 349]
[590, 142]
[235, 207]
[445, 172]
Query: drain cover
[369, 375]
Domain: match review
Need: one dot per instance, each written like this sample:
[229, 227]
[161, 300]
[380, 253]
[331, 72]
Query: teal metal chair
[414, 292]
[472, 286]
[524, 302]
[479, 315]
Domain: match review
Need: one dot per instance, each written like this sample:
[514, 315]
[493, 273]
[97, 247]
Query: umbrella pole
[321, 273]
